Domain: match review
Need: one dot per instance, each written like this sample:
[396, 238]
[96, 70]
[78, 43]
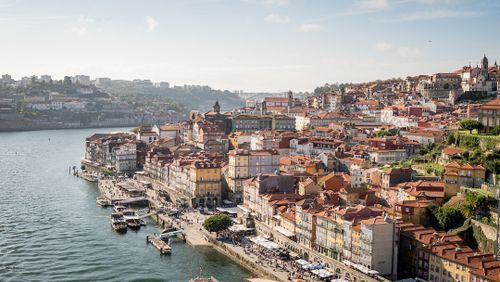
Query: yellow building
[205, 183]
[237, 173]
[436, 256]
[457, 175]
[452, 262]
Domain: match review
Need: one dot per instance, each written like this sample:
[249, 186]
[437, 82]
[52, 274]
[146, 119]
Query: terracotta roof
[492, 105]
[465, 166]
[452, 150]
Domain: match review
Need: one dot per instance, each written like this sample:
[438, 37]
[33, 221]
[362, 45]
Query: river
[52, 230]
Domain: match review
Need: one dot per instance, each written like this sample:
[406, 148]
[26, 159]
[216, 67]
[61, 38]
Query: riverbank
[196, 236]
[191, 222]
[21, 127]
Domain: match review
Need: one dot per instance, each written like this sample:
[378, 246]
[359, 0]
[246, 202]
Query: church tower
[217, 107]
[484, 63]
[290, 99]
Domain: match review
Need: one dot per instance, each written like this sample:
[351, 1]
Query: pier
[159, 244]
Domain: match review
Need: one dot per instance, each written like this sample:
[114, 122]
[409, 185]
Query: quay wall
[242, 260]
[211, 242]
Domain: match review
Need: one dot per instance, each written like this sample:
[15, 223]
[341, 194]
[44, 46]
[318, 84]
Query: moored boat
[102, 202]
[133, 223]
[118, 223]
[119, 208]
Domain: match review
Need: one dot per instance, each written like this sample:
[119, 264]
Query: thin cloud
[277, 18]
[79, 31]
[409, 52]
[434, 15]
[152, 24]
[402, 51]
[269, 2]
[373, 5]
[382, 46]
[362, 7]
[311, 28]
[276, 2]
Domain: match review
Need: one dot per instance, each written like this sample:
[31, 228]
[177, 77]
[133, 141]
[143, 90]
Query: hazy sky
[253, 45]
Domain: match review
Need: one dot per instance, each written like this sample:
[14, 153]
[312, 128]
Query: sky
[250, 45]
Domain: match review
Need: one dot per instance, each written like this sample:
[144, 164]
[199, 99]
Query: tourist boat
[119, 209]
[133, 223]
[118, 222]
[129, 214]
[102, 202]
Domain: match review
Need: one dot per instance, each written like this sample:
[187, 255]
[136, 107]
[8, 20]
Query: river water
[52, 230]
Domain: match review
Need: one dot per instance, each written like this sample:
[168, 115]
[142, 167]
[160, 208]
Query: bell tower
[484, 63]
[217, 107]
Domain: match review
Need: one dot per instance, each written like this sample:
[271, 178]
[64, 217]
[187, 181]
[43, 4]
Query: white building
[162, 85]
[126, 158]
[301, 147]
[102, 82]
[301, 122]
[147, 137]
[81, 79]
[75, 106]
[387, 116]
[388, 156]
[378, 245]
[56, 105]
[169, 130]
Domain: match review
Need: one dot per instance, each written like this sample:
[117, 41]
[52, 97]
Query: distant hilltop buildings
[84, 80]
[480, 80]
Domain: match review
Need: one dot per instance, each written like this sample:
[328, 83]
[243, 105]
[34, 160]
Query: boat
[118, 222]
[102, 202]
[119, 208]
[129, 214]
[88, 176]
[133, 223]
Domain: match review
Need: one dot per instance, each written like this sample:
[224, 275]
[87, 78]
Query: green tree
[217, 223]
[474, 203]
[470, 124]
[496, 130]
[446, 217]
[451, 139]
[383, 133]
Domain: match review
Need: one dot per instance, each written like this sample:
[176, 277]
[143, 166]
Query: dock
[159, 244]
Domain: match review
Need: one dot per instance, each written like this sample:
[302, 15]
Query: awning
[239, 228]
[284, 231]
[264, 243]
[346, 262]
[302, 261]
